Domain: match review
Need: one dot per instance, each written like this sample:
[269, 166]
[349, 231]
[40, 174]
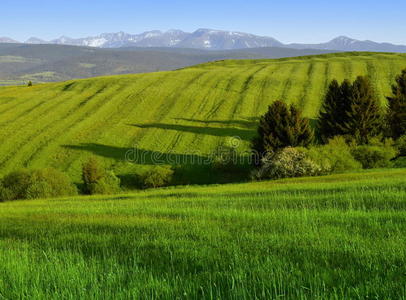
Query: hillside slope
[185, 113]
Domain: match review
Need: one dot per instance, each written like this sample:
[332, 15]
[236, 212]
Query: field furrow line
[40, 133]
[244, 90]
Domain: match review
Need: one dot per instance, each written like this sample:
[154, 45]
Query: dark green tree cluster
[352, 110]
[396, 117]
[331, 124]
[282, 126]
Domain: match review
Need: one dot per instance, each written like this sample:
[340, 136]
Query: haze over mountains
[122, 53]
[209, 39]
[43, 63]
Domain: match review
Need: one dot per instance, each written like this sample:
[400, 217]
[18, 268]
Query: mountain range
[208, 39]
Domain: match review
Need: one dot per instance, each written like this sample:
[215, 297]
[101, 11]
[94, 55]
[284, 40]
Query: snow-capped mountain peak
[343, 40]
[7, 40]
[205, 38]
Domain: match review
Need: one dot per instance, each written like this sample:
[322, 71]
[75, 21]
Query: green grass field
[185, 113]
[333, 237]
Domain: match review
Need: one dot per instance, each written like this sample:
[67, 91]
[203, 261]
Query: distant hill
[209, 39]
[45, 63]
[171, 116]
[344, 43]
[7, 40]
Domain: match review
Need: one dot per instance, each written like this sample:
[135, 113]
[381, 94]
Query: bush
[92, 173]
[286, 163]
[108, 184]
[334, 157]
[5, 194]
[97, 180]
[158, 177]
[401, 145]
[44, 183]
[375, 155]
[400, 162]
[15, 185]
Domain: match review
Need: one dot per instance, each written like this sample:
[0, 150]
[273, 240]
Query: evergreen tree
[397, 107]
[352, 110]
[334, 111]
[327, 119]
[282, 126]
[29, 83]
[364, 116]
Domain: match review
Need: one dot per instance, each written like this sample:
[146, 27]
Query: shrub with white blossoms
[286, 163]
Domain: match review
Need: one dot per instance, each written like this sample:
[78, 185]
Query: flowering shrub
[288, 162]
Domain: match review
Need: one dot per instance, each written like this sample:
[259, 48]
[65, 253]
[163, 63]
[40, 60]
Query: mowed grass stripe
[176, 97]
[293, 90]
[36, 124]
[103, 113]
[314, 90]
[218, 101]
[384, 77]
[93, 123]
[32, 116]
[8, 104]
[84, 107]
[138, 108]
[210, 100]
[38, 93]
[227, 105]
[256, 92]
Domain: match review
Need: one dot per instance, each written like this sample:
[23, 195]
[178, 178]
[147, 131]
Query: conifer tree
[397, 107]
[327, 123]
[334, 111]
[365, 118]
[352, 110]
[282, 126]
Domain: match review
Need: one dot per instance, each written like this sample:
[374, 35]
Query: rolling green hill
[179, 115]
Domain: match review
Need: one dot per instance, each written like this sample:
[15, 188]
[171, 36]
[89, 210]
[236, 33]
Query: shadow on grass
[244, 134]
[140, 156]
[189, 168]
[250, 123]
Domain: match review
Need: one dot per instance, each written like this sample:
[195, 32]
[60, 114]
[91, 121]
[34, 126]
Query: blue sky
[287, 21]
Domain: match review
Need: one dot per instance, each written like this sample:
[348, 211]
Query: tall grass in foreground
[334, 237]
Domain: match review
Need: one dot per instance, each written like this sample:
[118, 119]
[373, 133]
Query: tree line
[350, 110]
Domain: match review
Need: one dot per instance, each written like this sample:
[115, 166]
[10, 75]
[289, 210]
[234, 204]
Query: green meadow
[185, 113]
[334, 237]
[340, 236]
